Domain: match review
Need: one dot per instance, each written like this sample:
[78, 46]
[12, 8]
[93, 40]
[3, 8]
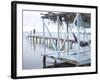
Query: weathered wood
[46, 37]
[63, 59]
[44, 61]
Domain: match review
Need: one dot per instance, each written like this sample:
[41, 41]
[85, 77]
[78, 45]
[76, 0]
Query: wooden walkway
[40, 37]
[48, 38]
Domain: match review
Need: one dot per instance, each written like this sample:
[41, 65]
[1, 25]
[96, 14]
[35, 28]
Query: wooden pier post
[36, 39]
[56, 43]
[33, 39]
[49, 42]
[55, 62]
[63, 47]
[44, 61]
[40, 40]
[70, 44]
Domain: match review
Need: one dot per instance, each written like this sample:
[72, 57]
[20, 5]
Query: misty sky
[32, 20]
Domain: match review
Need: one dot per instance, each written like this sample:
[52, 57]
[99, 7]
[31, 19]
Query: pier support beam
[55, 62]
[63, 46]
[33, 39]
[49, 42]
[44, 61]
[56, 43]
[36, 39]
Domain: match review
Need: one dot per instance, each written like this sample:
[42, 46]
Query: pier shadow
[59, 65]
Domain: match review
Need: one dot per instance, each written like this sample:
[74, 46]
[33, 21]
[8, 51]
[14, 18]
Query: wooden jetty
[48, 38]
[72, 59]
[39, 39]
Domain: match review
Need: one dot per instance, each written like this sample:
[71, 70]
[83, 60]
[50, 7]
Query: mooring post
[56, 43]
[33, 39]
[55, 62]
[44, 61]
[36, 39]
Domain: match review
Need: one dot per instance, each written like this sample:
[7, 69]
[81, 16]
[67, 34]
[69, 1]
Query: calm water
[32, 58]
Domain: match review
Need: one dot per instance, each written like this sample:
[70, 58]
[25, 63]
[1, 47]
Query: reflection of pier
[48, 42]
[47, 38]
[65, 58]
[39, 38]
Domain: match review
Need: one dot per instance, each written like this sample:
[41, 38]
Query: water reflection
[32, 50]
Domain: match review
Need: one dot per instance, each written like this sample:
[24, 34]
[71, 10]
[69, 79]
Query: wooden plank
[36, 36]
[63, 59]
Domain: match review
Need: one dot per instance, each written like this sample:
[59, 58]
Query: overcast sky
[32, 20]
